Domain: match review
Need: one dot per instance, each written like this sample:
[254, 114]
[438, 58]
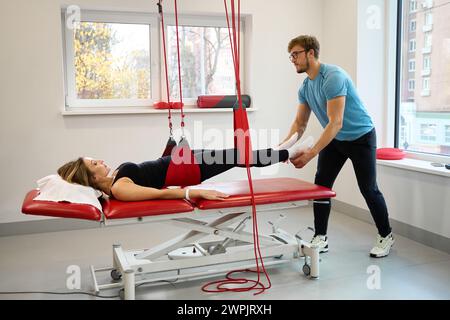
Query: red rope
[242, 123]
[161, 13]
[179, 64]
[170, 104]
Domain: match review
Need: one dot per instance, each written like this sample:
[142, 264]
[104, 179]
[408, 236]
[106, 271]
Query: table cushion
[115, 209]
[266, 191]
[58, 209]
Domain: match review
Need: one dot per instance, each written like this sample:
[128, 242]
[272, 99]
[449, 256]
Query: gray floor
[39, 262]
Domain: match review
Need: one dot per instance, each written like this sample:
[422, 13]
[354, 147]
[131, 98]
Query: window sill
[416, 165]
[106, 111]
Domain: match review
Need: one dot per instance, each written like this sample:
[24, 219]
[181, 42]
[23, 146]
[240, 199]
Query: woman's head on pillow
[86, 172]
[76, 171]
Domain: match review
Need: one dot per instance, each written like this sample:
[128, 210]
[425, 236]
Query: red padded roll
[224, 101]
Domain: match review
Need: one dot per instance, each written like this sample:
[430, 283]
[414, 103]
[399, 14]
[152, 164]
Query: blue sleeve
[301, 95]
[335, 85]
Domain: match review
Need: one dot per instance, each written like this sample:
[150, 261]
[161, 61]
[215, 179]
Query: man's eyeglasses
[293, 56]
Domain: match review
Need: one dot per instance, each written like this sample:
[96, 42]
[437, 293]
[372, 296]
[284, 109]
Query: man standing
[348, 133]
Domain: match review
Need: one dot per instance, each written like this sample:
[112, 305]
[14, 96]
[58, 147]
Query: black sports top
[147, 174]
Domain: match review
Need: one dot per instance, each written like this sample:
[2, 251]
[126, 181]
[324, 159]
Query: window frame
[72, 103]
[75, 106]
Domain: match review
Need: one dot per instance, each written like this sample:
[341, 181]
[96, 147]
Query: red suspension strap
[161, 13]
[171, 105]
[179, 72]
[242, 143]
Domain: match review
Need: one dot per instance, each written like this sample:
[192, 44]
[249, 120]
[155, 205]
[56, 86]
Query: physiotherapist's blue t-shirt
[332, 82]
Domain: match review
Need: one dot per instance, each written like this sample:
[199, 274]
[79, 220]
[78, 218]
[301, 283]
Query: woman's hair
[306, 42]
[77, 172]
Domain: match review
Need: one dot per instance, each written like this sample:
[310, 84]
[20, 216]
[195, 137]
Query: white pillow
[55, 188]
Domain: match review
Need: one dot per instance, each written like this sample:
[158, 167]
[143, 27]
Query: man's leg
[363, 157]
[329, 165]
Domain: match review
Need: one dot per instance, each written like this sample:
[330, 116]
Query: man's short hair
[307, 42]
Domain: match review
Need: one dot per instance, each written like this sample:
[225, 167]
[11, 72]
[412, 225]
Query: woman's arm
[126, 190]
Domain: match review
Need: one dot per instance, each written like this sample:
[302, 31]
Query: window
[428, 132]
[426, 62]
[426, 84]
[425, 87]
[412, 6]
[427, 40]
[412, 65]
[114, 60]
[427, 4]
[411, 84]
[207, 63]
[422, 102]
[412, 45]
[412, 26]
[109, 61]
[428, 19]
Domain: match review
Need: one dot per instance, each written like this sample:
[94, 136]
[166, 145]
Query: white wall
[36, 139]
[414, 198]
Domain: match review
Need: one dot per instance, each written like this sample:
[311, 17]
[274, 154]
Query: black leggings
[214, 162]
[362, 153]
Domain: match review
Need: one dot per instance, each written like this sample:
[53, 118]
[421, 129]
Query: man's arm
[335, 112]
[300, 121]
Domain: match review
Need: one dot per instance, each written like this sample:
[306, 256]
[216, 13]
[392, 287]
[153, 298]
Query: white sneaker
[300, 146]
[288, 143]
[382, 246]
[321, 242]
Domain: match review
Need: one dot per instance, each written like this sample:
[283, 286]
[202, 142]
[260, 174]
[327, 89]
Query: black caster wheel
[306, 269]
[116, 275]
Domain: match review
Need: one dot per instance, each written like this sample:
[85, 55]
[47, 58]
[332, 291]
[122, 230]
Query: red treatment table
[229, 246]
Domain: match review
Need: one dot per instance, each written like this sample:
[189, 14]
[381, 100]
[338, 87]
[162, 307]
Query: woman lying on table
[148, 180]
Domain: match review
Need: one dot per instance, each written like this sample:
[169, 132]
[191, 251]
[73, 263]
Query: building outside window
[423, 106]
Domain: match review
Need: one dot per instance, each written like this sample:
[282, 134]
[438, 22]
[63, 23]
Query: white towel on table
[54, 188]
